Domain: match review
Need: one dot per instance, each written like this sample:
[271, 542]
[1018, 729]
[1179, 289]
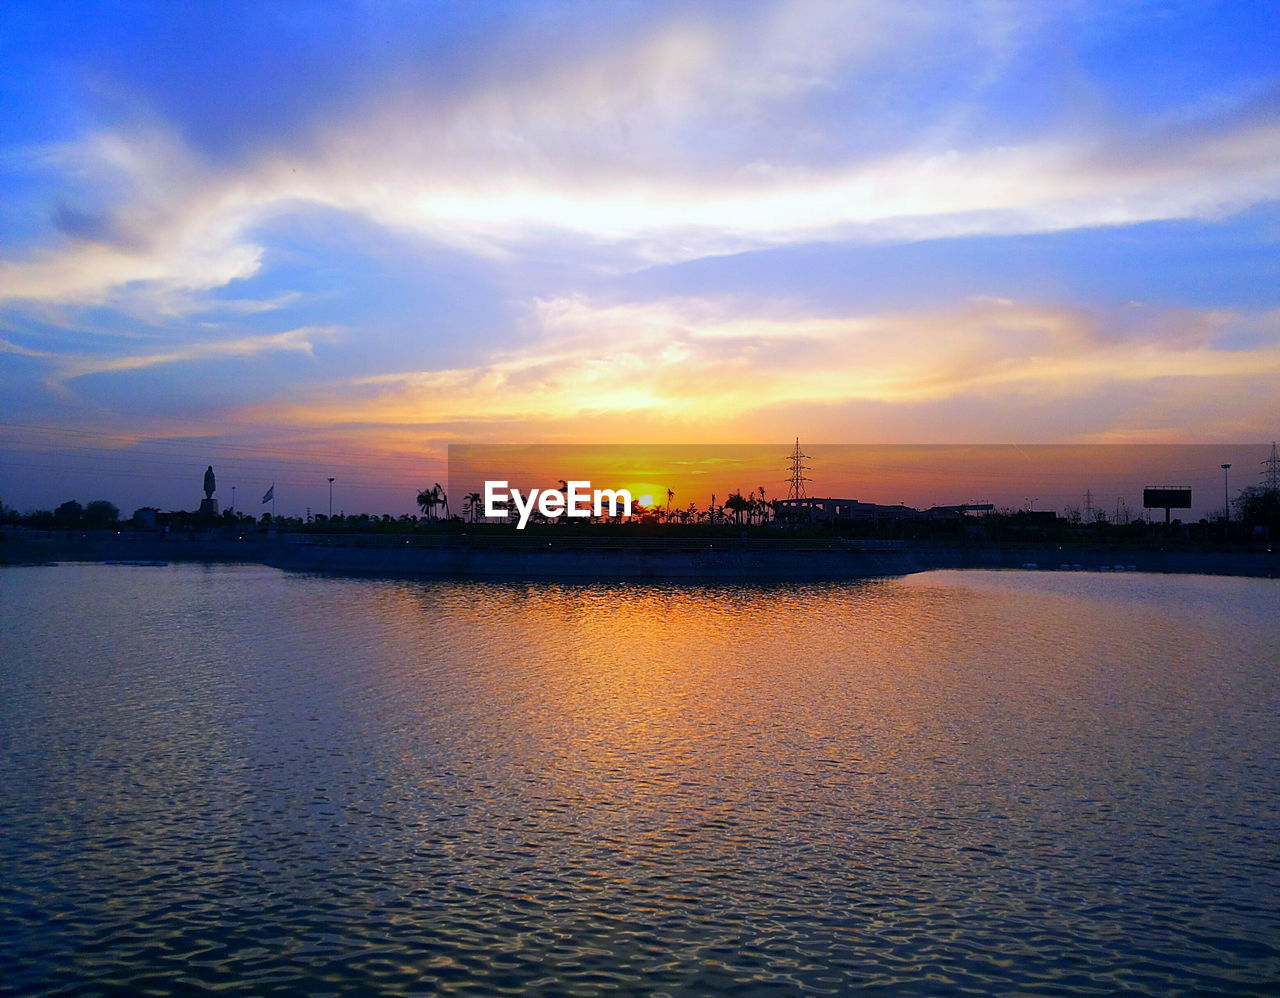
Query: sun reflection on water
[953, 780]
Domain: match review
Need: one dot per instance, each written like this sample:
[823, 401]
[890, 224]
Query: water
[231, 778]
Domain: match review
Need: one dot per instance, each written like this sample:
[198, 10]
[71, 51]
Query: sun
[643, 493]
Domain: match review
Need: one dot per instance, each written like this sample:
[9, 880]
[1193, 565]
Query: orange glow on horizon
[1047, 476]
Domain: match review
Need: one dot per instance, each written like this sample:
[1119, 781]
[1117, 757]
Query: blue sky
[295, 240]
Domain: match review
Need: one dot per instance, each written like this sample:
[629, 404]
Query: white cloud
[695, 138]
[68, 366]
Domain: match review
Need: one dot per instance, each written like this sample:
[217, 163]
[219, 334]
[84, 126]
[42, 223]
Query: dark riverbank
[636, 558]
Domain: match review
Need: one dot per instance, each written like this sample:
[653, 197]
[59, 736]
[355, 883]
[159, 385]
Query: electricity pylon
[795, 488]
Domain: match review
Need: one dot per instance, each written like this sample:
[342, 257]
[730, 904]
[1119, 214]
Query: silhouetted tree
[68, 514]
[738, 504]
[714, 513]
[1259, 507]
[428, 500]
[100, 513]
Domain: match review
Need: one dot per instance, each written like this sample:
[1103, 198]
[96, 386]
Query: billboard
[1166, 498]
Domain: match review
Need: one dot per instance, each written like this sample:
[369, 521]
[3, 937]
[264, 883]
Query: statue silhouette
[209, 485]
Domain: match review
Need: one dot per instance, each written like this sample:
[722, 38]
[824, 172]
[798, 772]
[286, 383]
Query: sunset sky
[297, 240]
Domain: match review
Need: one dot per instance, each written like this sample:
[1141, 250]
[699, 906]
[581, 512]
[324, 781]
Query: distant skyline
[1011, 477]
[306, 240]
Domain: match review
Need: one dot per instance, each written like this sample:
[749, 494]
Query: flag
[271, 493]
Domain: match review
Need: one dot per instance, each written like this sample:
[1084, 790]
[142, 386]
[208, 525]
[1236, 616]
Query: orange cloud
[697, 363]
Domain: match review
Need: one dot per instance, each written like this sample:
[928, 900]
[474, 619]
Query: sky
[303, 240]
[1070, 479]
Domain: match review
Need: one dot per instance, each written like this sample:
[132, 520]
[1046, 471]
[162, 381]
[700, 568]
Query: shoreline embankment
[641, 558]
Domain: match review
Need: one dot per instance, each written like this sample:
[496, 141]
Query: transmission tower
[1088, 505]
[1272, 475]
[795, 489]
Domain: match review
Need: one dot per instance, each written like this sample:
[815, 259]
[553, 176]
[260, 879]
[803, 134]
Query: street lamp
[1226, 500]
[330, 498]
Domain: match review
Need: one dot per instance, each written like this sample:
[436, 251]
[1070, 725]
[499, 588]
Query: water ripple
[237, 781]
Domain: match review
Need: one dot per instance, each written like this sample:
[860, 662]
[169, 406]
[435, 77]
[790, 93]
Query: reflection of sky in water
[994, 780]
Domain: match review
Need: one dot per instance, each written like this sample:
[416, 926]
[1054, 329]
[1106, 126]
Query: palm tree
[429, 499]
[427, 502]
[738, 504]
[473, 500]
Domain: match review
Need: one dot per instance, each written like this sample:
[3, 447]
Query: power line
[176, 477]
[318, 453]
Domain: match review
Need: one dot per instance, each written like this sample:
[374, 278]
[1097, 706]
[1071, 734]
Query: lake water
[236, 779]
